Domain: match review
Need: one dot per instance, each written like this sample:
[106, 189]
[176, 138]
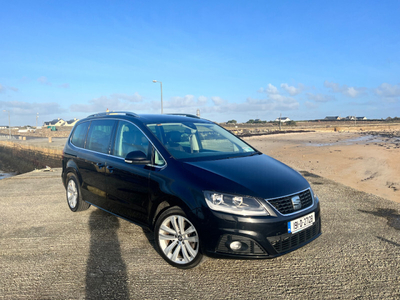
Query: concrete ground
[48, 252]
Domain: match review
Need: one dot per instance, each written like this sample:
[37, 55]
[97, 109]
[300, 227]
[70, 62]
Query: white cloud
[43, 80]
[218, 101]
[202, 100]
[292, 90]
[320, 97]
[4, 88]
[27, 108]
[310, 105]
[352, 92]
[114, 102]
[64, 86]
[271, 89]
[130, 98]
[388, 91]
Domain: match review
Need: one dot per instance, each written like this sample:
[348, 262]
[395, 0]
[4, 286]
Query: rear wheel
[74, 198]
[177, 239]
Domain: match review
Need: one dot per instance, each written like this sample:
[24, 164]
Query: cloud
[352, 92]
[218, 101]
[320, 97]
[4, 88]
[43, 80]
[130, 98]
[388, 91]
[310, 105]
[64, 86]
[114, 102]
[188, 101]
[270, 89]
[27, 108]
[292, 90]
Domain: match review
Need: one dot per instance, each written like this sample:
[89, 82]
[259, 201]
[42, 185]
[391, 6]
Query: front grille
[250, 247]
[284, 204]
[288, 241]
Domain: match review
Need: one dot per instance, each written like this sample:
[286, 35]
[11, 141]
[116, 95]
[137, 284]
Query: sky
[232, 60]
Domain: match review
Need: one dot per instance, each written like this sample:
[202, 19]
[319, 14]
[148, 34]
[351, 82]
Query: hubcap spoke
[168, 250]
[192, 239]
[190, 249]
[185, 254]
[176, 252]
[190, 230]
[181, 223]
[167, 229]
[167, 237]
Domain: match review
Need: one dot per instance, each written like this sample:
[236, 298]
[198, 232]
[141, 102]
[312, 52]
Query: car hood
[258, 176]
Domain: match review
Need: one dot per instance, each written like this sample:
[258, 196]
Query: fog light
[236, 245]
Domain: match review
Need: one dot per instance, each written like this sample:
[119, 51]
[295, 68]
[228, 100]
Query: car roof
[150, 118]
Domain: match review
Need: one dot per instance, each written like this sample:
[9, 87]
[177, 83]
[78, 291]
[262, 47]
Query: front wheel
[177, 239]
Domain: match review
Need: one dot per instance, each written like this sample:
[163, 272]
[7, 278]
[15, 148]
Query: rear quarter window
[79, 135]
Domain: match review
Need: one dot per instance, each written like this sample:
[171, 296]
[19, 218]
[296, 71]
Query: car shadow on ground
[106, 274]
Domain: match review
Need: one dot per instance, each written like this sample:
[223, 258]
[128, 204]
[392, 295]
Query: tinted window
[79, 135]
[99, 135]
[129, 138]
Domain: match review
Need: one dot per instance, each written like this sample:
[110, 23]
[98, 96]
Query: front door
[127, 184]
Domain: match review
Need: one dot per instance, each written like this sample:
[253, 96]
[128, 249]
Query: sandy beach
[366, 162]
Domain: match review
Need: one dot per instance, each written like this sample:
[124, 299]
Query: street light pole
[9, 123]
[37, 116]
[155, 81]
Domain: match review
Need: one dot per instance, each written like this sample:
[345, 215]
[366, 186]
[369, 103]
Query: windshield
[189, 140]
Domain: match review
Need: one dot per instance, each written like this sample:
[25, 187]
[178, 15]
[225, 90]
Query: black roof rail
[108, 113]
[185, 115]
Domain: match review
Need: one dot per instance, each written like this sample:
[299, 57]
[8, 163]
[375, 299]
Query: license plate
[301, 223]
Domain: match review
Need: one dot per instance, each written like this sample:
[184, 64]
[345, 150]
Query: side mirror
[137, 158]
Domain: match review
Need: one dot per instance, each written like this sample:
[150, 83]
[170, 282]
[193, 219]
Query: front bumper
[261, 237]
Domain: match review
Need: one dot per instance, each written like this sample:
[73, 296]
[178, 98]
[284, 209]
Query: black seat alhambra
[199, 188]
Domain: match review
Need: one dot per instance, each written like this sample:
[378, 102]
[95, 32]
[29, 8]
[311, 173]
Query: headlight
[233, 204]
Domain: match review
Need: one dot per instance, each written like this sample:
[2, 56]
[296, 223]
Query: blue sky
[231, 59]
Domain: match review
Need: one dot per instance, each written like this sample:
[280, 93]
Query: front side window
[99, 135]
[79, 135]
[188, 140]
[129, 138]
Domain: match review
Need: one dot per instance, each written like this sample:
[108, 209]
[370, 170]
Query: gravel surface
[48, 252]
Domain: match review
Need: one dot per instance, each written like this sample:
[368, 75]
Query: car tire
[73, 191]
[177, 239]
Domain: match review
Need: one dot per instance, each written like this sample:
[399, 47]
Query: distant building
[334, 118]
[282, 119]
[361, 118]
[55, 122]
[3, 127]
[71, 122]
[351, 118]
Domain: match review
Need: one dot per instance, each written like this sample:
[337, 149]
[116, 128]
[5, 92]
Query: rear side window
[79, 135]
[99, 135]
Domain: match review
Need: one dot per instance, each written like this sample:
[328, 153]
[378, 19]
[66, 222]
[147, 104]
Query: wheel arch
[165, 204]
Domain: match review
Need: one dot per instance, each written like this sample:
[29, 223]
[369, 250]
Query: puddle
[365, 139]
[4, 175]
[391, 215]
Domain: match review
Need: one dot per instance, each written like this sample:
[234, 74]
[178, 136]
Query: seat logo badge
[296, 202]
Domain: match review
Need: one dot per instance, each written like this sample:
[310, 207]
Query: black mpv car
[202, 190]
